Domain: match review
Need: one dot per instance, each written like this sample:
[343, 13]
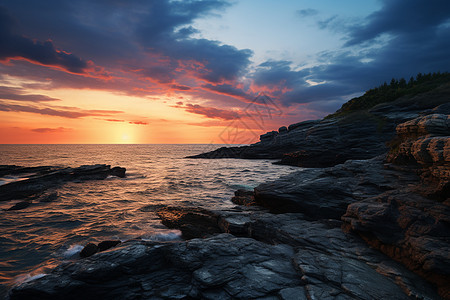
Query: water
[39, 237]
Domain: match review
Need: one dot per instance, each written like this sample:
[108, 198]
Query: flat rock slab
[326, 193]
[36, 180]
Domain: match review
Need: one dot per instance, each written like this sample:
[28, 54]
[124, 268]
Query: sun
[125, 135]
[125, 138]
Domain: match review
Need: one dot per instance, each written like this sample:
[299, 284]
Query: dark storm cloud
[167, 31]
[402, 18]
[400, 40]
[12, 93]
[219, 62]
[17, 46]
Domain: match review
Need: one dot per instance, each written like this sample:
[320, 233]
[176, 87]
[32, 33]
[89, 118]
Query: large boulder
[424, 143]
[409, 228]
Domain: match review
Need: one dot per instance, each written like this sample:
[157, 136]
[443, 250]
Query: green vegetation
[394, 90]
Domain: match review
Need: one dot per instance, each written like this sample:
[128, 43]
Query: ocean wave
[28, 277]
[165, 237]
[72, 251]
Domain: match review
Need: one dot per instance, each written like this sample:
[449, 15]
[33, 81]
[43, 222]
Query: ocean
[37, 238]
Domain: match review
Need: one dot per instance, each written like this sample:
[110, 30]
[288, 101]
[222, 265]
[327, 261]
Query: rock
[89, 250]
[282, 129]
[105, 245]
[409, 228]
[268, 136]
[40, 179]
[424, 143]
[243, 197]
[118, 171]
[376, 200]
[302, 124]
[193, 222]
[17, 170]
[326, 193]
[19, 205]
[434, 124]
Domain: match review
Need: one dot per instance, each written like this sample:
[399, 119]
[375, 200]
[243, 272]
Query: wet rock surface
[193, 222]
[283, 257]
[91, 248]
[33, 182]
[326, 192]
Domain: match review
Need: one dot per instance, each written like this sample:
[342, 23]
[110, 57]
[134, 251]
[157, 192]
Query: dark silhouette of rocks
[105, 245]
[118, 171]
[360, 134]
[91, 248]
[37, 180]
[20, 205]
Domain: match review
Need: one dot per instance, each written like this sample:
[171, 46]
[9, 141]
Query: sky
[213, 71]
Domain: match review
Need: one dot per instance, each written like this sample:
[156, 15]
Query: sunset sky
[159, 71]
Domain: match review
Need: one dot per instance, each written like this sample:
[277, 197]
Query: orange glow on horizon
[156, 123]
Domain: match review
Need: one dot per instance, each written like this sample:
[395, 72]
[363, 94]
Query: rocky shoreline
[334, 140]
[371, 223]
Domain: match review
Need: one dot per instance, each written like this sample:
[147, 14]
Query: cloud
[278, 73]
[114, 120]
[308, 12]
[167, 31]
[15, 46]
[398, 18]
[17, 94]
[219, 62]
[230, 90]
[138, 122]
[399, 40]
[180, 87]
[71, 113]
[211, 112]
[50, 130]
[144, 47]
